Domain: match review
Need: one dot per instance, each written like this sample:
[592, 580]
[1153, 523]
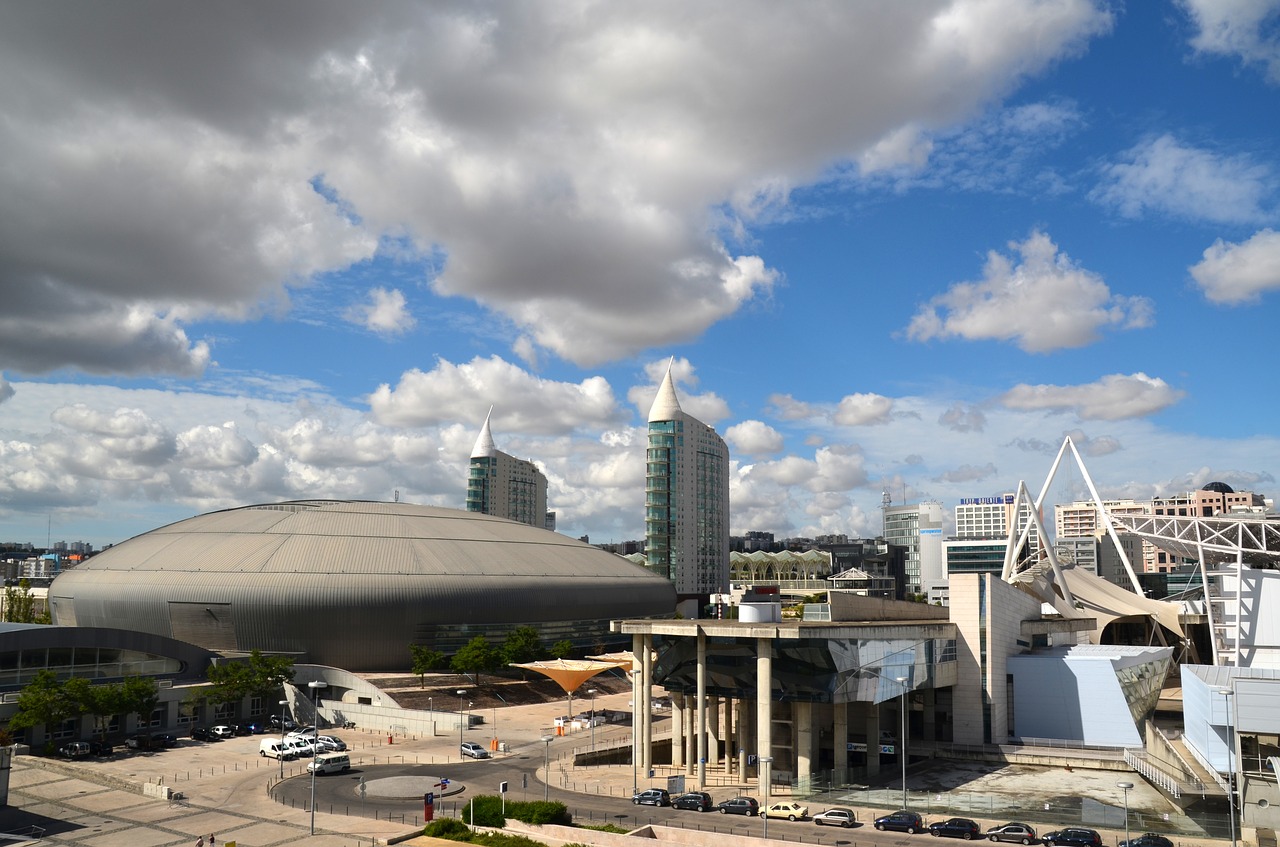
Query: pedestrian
[200, 841]
[212, 841]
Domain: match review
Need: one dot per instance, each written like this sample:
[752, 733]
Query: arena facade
[352, 584]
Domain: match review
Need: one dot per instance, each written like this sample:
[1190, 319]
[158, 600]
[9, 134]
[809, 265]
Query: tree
[523, 644]
[425, 660]
[475, 656]
[43, 701]
[562, 648]
[260, 675]
[20, 605]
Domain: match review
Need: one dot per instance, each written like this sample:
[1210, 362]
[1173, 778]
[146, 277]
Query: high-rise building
[918, 528]
[686, 522]
[992, 517]
[502, 485]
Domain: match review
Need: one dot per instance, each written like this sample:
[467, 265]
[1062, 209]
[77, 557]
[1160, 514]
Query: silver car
[1014, 831]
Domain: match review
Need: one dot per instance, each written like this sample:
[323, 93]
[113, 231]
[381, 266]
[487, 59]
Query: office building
[686, 500]
[992, 517]
[918, 529]
[501, 485]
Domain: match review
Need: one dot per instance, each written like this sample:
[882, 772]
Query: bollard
[391, 739]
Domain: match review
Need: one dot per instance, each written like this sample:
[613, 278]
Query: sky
[262, 252]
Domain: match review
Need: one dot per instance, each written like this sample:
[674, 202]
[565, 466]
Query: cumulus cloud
[1246, 29]
[967, 473]
[1164, 176]
[753, 438]
[1045, 302]
[1240, 273]
[555, 158]
[1114, 397]
[707, 407]
[963, 418]
[215, 448]
[788, 408]
[385, 313]
[521, 400]
[863, 410]
[6, 389]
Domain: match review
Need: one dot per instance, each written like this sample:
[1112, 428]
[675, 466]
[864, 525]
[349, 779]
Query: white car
[303, 732]
[474, 750]
[330, 744]
[836, 817]
[223, 731]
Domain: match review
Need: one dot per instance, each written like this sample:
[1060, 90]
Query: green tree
[43, 701]
[425, 660]
[260, 675]
[475, 656]
[138, 695]
[20, 605]
[523, 644]
[562, 648]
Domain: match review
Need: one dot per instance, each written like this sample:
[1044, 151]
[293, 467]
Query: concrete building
[994, 517]
[918, 529]
[686, 501]
[501, 485]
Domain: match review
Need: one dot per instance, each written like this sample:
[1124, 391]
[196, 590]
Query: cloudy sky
[259, 252]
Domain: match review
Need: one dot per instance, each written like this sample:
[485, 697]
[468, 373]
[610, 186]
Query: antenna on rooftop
[397, 495]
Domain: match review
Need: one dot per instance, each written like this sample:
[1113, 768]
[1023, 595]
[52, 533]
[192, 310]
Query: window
[157, 717]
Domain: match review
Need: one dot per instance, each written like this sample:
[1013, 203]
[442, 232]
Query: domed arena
[353, 584]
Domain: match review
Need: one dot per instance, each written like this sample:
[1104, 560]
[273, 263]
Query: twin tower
[686, 517]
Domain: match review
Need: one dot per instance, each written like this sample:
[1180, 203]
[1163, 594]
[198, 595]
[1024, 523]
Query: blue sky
[901, 247]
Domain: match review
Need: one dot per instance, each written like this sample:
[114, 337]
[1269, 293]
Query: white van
[299, 747]
[330, 763]
[275, 749]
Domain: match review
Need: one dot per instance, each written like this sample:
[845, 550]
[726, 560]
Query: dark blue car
[956, 828]
[903, 821]
[1073, 836]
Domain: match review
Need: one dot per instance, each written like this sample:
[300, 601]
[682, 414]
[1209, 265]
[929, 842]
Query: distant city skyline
[900, 247]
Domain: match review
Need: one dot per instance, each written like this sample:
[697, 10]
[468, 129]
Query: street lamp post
[902, 740]
[767, 763]
[1231, 777]
[546, 768]
[461, 692]
[1126, 786]
[280, 754]
[592, 692]
[315, 686]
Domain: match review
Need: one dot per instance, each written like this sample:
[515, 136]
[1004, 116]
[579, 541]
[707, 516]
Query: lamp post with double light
[592, 692]
[766, 763]
[902, 741]
[1231, 776]
[1126, 786]
[461, 692]
[315, 686]
[280, 754]
[546, 768]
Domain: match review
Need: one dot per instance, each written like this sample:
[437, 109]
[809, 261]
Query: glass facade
[19, 667]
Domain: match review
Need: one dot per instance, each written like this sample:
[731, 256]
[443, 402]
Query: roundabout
[388, 791]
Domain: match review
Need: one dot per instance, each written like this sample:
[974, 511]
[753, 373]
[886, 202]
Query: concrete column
[702, 709]
[840, 738]
[647, 697]
[803, 716]
[744, 740]
[637, 709]
[764, 701]
[678, 709]
[729, 752]
[713, 728]
[873, 739]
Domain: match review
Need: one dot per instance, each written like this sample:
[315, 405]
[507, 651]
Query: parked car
[956, 828]
[222, 731]
[838, 816]
[651, 797]
[330, 744]
[257, 728]
[204, 733]
[474, 750]
[786, 809]
[1148, 839]
[1073, 836]
[304, 732]
[902, 821]
[138, 742]
[286, 723]
[101, 748]
[739, 806]
[1012, 831]
[74, 750]
[698, 801]
[241, 729]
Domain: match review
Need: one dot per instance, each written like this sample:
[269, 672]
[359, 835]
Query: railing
[1152, 774]
[1188, 772]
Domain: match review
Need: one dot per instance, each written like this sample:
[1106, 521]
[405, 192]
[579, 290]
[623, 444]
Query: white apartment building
[502, 485]
[918, 528]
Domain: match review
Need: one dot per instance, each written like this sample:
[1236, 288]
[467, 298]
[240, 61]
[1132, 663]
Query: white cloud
[555, 158]
[707, 407]
[863, 410]
[788, 408]
[1240, 273]
[962, 418]
[1046, 302]
[1162, 175]
[215, 448]
[753, 438]
[967, 473]
[520, 400]
[385, 313]
[1114, 397]
[1243, 28]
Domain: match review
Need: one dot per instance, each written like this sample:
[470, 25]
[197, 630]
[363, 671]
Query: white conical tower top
[484, 443]
[666, 405]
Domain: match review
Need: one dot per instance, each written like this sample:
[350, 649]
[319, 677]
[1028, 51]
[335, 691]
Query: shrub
[487, 811]
[450, 828]
[540, 812]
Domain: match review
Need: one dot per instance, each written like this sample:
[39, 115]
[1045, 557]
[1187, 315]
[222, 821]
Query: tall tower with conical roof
[686, 499]
[502, 485]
